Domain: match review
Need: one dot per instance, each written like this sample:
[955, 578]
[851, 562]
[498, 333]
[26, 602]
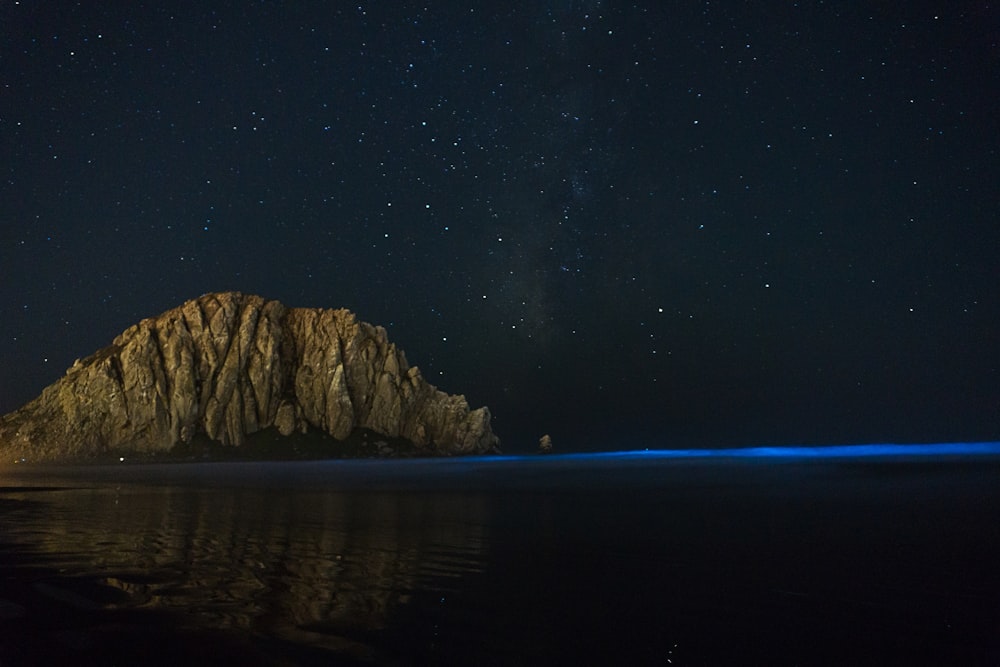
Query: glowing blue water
[858, 554]
[790, 452]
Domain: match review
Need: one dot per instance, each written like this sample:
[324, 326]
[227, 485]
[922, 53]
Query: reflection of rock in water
[310, 567]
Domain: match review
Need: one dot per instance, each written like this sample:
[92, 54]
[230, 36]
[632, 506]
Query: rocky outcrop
[227, 365]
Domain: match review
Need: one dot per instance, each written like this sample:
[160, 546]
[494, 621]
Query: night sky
[624, 224]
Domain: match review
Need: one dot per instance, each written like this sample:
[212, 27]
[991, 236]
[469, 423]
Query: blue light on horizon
[959, 449]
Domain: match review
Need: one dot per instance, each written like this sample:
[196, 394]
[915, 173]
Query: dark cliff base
[269, 445]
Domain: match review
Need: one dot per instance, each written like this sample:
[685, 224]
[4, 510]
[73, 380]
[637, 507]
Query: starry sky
[624, 224]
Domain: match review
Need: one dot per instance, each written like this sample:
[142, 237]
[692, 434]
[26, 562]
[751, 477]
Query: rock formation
[227, 365]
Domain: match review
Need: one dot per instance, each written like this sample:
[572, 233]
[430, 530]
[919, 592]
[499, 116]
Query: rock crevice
[227, 365]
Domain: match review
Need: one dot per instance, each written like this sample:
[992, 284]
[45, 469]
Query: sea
[871, 555]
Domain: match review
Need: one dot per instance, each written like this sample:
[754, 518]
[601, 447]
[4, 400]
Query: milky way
[705, 225]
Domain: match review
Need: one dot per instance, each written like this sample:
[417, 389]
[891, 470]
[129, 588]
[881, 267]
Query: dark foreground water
[634, 559]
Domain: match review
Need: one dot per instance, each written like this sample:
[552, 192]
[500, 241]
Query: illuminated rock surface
[228, 365]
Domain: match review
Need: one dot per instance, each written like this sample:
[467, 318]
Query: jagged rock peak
[227, 365]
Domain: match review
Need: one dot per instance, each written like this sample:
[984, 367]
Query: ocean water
[745, 557]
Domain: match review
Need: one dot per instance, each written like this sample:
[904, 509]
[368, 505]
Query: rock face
[227, 365]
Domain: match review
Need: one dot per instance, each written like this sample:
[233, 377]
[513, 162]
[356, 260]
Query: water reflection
[317, 567]
[536, 561]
